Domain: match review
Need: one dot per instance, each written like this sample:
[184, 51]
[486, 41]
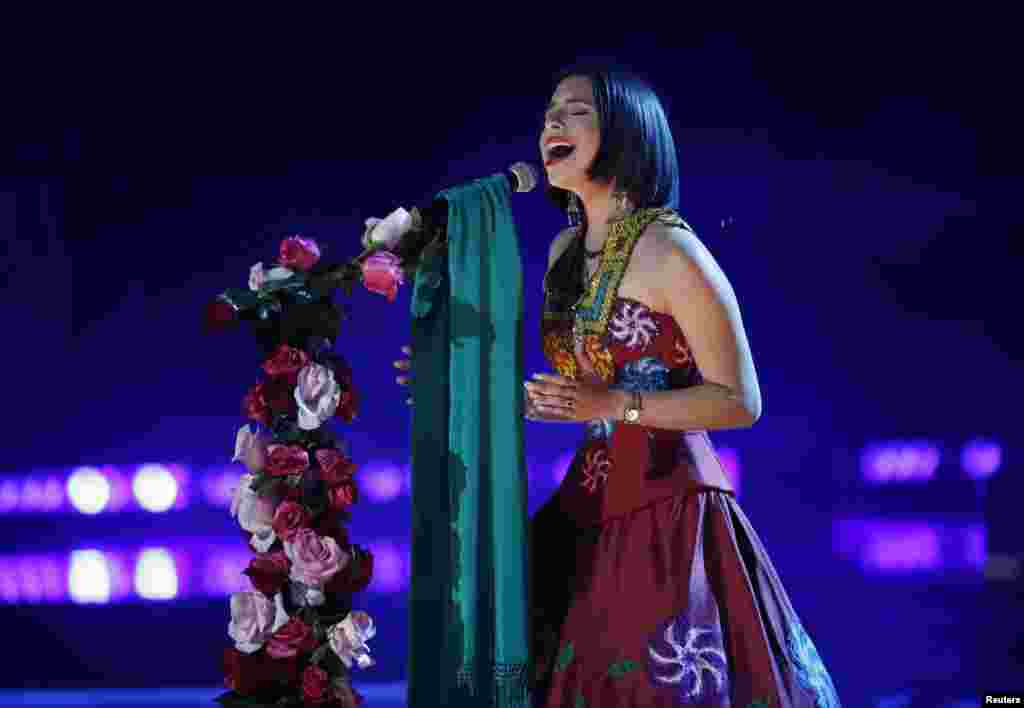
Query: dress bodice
[597, 335]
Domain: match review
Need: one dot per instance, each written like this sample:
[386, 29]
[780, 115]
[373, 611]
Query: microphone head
[526, 176]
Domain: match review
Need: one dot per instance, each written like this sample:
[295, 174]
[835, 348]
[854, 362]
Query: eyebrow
[569, 100]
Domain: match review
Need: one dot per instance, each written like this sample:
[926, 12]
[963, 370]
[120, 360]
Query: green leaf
[622, 668]
[320, 653]
[239, 298]
[565, 657]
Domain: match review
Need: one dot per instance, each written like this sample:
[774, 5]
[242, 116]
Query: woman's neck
[602, 206]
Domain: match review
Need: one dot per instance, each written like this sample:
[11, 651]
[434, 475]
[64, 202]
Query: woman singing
[649, 587]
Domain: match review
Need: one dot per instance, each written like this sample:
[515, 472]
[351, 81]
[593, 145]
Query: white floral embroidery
[633, 325]
[692, 662]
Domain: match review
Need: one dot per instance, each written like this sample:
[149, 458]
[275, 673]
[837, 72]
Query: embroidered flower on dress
[599, 357]
[596, 465]
[810, 670]
[695, 662]
[633, 325]
[646, 374]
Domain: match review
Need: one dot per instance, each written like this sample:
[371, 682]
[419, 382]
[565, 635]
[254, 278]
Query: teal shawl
[468, 627]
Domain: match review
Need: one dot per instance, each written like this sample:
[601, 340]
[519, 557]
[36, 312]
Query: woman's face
[570, 121]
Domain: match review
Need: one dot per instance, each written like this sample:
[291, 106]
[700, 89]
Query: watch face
[632, 414]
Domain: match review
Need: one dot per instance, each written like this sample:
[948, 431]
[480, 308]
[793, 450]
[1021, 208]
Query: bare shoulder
[681, 255]
[559, 244]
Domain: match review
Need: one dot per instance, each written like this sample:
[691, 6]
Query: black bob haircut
[637, 149]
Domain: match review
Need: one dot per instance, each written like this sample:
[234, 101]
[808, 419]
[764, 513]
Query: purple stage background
[834, 177]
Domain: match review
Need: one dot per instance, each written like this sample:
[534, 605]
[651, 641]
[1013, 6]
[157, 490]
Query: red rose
[289, 518]
[335, 468]
[268, 572]
[343, 496]
[355, 576]
[382, 274]
[299, 253]
[348, 404]
[220, 316]
[255, 406]
[283, 460]
[286, 362]
[293, 637]
[329, 526]
[249, 674]
[315, 685]
[279, 394]
[292, 493]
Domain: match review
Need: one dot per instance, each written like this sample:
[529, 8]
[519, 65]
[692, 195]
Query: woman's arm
[703, 302]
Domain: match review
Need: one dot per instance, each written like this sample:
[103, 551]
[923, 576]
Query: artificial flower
[289, 518]
[255, 513]
[260, 277]
[382, 274]
[283, 460]
[252, 620]
[317, 395]
[286, 362]
[299, 253]
[315, 559]
[348, 639]
[387, 232]
[269, 572]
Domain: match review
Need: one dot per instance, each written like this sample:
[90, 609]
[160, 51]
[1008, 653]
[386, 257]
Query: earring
[574, 209]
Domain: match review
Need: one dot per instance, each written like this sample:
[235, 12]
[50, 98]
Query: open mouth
[559, 152]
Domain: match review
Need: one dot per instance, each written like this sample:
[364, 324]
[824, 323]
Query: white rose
[317, 394]
[255, 514]
[252, 620]
[387, 232]
[348, 639]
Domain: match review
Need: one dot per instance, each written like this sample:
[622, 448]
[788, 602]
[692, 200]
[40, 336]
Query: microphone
[521, 176]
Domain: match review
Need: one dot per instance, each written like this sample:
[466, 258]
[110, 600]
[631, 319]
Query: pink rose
[289, 518]
[299, 253]
[255, 514]
[316, 685]
[382, 274]
[317, 395]
[315, 559]
[293, 637]
[269, 572]
[348, 639]
[252, 620]
[286, 362]
[283, 460]
[335, 468]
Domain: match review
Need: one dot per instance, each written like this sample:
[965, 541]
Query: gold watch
[632, 412]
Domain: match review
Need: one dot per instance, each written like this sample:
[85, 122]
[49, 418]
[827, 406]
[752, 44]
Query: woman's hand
[553, 398]
[405, 365]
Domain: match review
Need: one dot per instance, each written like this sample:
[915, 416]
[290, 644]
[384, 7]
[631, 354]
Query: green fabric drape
[468, 626]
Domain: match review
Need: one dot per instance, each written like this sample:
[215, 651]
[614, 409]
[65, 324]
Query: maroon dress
[648, 585]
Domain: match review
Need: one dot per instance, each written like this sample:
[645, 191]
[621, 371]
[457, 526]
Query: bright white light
[89, 577]
[88, 490]
[382, 483]
[156, 577]
[155, 488]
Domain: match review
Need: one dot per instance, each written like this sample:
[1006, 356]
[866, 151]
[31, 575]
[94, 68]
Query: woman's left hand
[557, 398]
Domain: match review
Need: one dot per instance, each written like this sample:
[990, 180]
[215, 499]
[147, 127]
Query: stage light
[156, 575]
[218, 485]
[89, 490]
[380, 481]
[981, 458]
[89, 578]
[900, 462]
[902, 548]
[8, 496]
[155, 488]
[390, 567]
